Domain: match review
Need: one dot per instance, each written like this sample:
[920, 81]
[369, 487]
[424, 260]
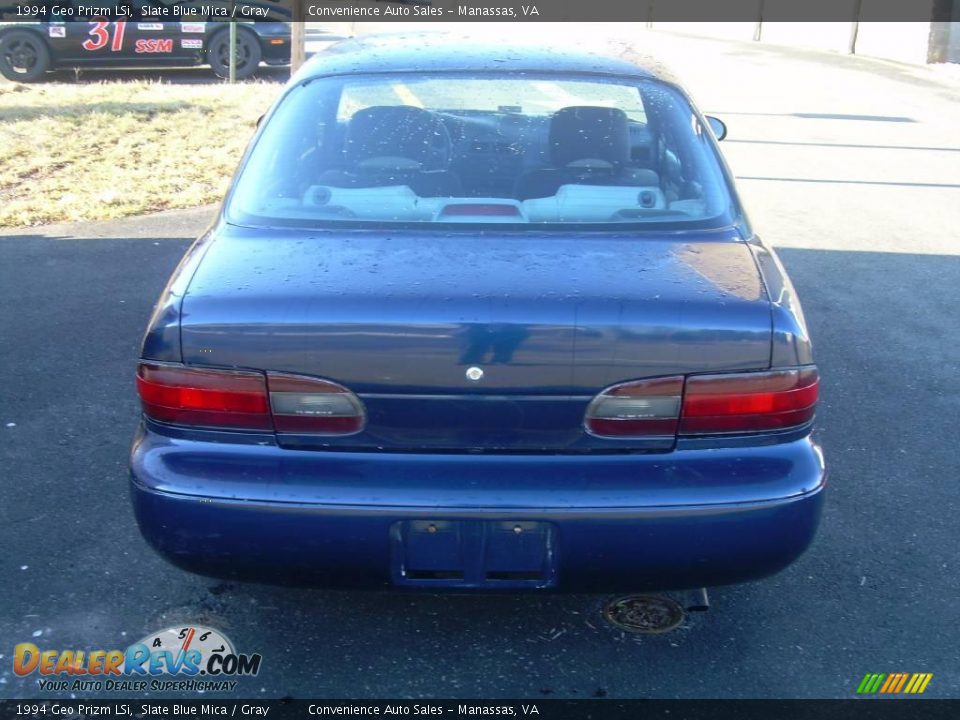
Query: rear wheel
[24, 56]
[248, 54]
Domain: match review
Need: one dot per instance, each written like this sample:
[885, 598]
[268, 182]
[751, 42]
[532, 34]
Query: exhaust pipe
[698, 600]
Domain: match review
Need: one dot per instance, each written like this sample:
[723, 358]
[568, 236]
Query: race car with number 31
[72, 39]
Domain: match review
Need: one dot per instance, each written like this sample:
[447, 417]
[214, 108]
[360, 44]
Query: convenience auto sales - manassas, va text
[349, 11]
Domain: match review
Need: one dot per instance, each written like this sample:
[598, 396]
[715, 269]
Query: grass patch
[107, 150]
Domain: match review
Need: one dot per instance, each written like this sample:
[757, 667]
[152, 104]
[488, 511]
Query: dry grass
[106, 150]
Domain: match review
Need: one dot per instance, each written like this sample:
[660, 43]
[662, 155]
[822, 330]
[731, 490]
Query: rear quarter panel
[791, 344]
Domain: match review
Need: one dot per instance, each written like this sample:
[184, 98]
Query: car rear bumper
[275, 54]
[691, 518]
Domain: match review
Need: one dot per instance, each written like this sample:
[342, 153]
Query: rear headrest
[401, 131]
[585, 132]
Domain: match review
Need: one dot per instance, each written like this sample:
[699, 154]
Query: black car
[70, 37]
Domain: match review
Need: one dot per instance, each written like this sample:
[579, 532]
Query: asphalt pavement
[851, 168]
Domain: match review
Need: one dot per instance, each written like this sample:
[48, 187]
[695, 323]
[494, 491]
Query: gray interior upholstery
[396, 145]
[588, 146]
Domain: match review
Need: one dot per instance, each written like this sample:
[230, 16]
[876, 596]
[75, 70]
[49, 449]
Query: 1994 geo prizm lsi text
[479, 318]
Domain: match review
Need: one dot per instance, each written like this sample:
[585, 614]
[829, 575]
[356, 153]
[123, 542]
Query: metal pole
[855, 26]
[854, 31]
[758, 26]
[233, 50]
[298, 50]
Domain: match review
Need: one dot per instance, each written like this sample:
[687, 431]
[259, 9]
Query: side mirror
[718, 126]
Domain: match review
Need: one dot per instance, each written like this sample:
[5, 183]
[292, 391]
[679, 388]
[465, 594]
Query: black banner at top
[320, 11]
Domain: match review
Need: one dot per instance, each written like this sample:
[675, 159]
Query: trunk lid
[550, 320]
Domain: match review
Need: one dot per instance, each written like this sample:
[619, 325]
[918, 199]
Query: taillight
[210, 398]
[309, 405]
[706, 404]
[749, 402]
[241, 399]
[646, 408]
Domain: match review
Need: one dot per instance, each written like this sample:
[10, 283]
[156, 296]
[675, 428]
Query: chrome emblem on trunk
[474, 374]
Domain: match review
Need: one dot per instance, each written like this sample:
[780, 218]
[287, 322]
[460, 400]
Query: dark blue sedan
[479, 317]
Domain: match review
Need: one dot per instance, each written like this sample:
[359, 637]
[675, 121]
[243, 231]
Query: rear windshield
[506, 149]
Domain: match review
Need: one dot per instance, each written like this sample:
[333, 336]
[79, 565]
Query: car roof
[452, 52]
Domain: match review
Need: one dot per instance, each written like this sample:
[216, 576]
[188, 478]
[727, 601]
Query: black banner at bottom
[281, 709]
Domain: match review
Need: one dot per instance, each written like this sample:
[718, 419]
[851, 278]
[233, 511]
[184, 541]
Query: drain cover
[644, 613]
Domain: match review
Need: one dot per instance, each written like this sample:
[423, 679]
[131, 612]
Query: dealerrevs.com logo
[179, 659]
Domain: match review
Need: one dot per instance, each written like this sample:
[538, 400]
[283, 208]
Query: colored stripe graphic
[918, 683]
[894, 683]
[870, 683]
[903, 679]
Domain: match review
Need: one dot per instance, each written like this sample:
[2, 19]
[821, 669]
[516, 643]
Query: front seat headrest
[401, 137]
[583, 134]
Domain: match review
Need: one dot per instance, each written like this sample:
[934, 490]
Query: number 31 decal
[100, 35]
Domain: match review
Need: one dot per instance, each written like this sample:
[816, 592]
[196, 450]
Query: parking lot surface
[848, 166]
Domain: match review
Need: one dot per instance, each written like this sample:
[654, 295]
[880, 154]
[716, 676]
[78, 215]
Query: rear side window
[485, 149]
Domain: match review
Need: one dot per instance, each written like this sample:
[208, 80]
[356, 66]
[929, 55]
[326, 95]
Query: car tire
[248, 53]
[24, 56]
